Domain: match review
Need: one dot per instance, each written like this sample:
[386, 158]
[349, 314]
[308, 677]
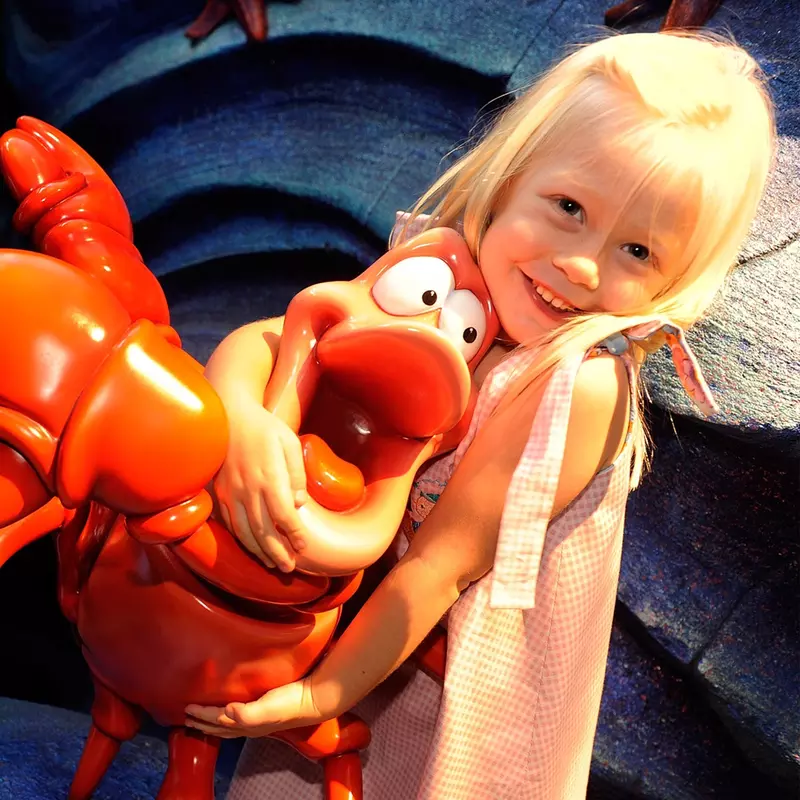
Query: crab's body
[109, 434]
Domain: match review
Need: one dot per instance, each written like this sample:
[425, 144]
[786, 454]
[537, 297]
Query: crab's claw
[100, 407]
[679, 13]
[73, 211]
[107, 453]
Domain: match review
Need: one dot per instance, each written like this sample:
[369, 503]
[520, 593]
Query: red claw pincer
[74, 212]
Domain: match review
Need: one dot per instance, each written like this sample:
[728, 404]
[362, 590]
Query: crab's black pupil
[470, 335]
[429, 297]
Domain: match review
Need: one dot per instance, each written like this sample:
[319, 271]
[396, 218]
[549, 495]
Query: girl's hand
[262, 483]
[290, 706]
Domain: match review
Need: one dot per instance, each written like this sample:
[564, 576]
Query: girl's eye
[638, 251]
[463, 320]
[570, 207]
[413, 286]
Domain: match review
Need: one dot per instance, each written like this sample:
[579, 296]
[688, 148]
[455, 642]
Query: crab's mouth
[381, 395]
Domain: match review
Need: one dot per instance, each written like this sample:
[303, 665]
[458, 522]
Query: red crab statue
[109, 434]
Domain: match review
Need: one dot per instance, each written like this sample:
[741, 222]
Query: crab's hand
[679, 13]
[146, 434]
[73, 211]
[250, 14]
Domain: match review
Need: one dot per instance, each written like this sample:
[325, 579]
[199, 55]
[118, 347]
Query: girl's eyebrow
[573, 183]
[644, 230]
[641, 234]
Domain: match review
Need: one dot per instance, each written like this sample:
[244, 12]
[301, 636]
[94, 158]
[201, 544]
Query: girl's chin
[526, 327]
[531, 318]
[527, 316]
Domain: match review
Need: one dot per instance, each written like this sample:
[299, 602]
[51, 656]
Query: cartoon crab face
[372, 374]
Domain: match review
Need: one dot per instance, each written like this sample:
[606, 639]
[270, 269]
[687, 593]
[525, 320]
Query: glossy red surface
[110, 434]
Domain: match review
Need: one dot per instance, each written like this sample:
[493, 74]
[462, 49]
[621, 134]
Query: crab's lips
[410, 379]
[380, 395]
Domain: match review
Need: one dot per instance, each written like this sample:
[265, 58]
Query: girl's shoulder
[591, 418]
[601, 406]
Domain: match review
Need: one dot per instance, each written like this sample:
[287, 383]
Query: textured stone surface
[706, 526]
[40, 747]
[320, 153]
[710, 576]
[751, 671]
[657, 740]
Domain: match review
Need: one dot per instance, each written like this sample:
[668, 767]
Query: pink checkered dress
[527, 644]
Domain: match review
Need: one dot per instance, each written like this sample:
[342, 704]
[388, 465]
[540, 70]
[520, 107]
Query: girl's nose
[579, 270]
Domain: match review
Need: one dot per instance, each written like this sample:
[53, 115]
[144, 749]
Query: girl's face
[566, 239]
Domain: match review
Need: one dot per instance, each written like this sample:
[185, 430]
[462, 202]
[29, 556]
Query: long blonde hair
[696, 113]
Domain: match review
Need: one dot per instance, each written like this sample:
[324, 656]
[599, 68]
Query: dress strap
[404, 230]
[531, 494]
[687, 367]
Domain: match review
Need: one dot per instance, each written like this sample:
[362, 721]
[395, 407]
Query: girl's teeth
[556, 302]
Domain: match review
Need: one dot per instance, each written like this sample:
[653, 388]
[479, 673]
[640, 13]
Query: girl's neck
[494, 355]
[504, 339]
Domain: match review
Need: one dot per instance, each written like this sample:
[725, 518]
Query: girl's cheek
[521, 238]
[626, 296]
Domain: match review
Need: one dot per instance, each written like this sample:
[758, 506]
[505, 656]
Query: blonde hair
[692, 110]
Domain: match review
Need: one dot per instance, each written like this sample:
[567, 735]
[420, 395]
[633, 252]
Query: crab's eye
[413, 286]
[463, 321]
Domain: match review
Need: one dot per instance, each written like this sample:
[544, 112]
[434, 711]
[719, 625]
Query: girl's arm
[242, 363]
[263, 480]
[454, 547]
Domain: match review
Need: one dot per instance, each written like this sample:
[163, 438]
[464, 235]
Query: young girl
[605, 208]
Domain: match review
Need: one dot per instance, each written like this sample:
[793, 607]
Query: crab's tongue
[333, 482]
[380, 395]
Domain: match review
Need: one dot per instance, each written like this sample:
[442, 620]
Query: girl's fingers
[214, 715]
[226, 516]
[214, 730]
[252, 714]
[271, 709]
[246, 537]
[240, 524]
[277, 548]
[278, 492]
[295, 466]
[256, 519]
[214, 721]
[284, 515]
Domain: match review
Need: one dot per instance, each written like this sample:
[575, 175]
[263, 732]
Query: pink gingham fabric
[527, 644]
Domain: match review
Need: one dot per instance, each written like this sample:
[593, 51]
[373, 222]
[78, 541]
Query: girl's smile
[550, 304]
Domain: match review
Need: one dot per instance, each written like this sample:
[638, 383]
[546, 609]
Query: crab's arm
[250, 14]
[73, 211]
[679, 13]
